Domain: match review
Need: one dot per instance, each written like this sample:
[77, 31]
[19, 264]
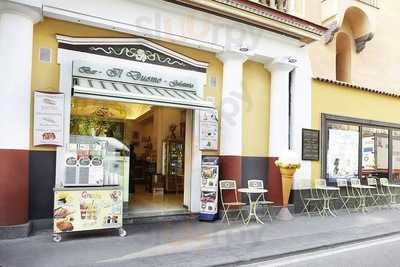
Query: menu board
[208, 130]
[48, 119]
[310, 144]
[81, 210]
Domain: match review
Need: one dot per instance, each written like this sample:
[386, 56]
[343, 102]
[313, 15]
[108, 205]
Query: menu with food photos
[80, 209]
[48, 119]
[208, 130]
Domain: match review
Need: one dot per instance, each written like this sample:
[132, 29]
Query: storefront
[359, 132]
[157, 83]
[107, 64]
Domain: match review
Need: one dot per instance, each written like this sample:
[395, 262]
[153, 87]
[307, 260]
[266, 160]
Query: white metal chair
[375, 194]
[345, 196]
[389, 190]
[326, 195]
[259, 184]
[309, 197]
[230, 186]
[357, 192]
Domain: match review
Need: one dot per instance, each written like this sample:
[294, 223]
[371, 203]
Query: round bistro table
[253, 203]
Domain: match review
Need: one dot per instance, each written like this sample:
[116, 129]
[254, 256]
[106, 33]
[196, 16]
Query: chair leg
[344, 204]
[225, 214]
[267, 213]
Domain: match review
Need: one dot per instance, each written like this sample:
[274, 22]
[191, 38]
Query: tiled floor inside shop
[144, 203]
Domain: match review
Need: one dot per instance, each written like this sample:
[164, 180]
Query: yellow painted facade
[45, 77]
[256, 98]
[344, 101]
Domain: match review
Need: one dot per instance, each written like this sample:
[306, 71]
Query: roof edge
[355, 86]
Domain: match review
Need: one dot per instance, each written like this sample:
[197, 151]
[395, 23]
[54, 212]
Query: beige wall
[377, 66]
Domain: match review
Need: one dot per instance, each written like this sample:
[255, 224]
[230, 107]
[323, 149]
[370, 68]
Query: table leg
[253, 209]
[329, 206]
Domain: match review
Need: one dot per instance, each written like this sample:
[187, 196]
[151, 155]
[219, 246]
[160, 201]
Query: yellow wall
[256, 96]
[344, 101]
[45, 77]
[256, 79]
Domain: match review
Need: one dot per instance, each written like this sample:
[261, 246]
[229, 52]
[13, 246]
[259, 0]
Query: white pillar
[291, 6]
[16, 32]
[279, 107]
[231, 106]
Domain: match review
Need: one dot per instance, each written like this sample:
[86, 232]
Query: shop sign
[310, 144]
[48, 119]
[83, 209]
[134, 75]
[208, 130]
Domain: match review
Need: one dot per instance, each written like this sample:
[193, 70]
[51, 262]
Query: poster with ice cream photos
[82, 210]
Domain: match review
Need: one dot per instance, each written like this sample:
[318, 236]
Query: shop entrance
[150, 142]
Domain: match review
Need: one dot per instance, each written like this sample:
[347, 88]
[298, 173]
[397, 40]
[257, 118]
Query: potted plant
[287, 163]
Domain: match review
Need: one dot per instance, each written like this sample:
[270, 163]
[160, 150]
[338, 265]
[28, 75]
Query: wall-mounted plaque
[310, 144]
[48, 119]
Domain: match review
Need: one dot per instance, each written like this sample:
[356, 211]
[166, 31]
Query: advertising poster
[209, 189]
[208, 130]
[342, 158]
[48, 119]
[81, 210]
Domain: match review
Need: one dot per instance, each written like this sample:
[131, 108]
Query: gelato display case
[95, 186]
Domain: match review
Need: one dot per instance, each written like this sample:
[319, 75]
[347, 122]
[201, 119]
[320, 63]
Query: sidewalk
[194, 243]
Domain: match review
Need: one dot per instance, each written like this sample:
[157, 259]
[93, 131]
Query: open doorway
[152, 150]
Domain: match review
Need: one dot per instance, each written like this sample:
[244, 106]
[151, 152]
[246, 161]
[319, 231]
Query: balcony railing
[281, 5]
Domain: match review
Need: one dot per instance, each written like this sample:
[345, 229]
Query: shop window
[357, 148]
[343, 57]
[342, 151]
[395, 173]
[375, 152]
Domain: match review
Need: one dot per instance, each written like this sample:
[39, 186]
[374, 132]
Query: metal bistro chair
[326, 196]
[375, 194]
[345, 196]
[259, 184]
[309, 197]
[230, 186]
[389, 190]
[356, 192]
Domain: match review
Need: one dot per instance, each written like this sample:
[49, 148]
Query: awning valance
[138, 93]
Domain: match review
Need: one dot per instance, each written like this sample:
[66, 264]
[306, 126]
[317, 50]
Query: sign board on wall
[138, 75]
[48, 119]
[208, 130]
[310, 144]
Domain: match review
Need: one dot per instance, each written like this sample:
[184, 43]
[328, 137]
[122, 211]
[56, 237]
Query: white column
[231, 106]
[16, 32]
[291, 6]
[279, 107]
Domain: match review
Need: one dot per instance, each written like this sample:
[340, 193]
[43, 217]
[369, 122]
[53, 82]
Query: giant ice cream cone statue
[287, 164]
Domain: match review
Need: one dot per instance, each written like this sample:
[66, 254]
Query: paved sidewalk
[193, 243]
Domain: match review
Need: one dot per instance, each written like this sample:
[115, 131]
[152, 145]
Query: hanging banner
[48, 119]
[208, 130]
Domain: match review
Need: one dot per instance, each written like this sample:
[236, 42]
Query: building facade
[251, 61]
